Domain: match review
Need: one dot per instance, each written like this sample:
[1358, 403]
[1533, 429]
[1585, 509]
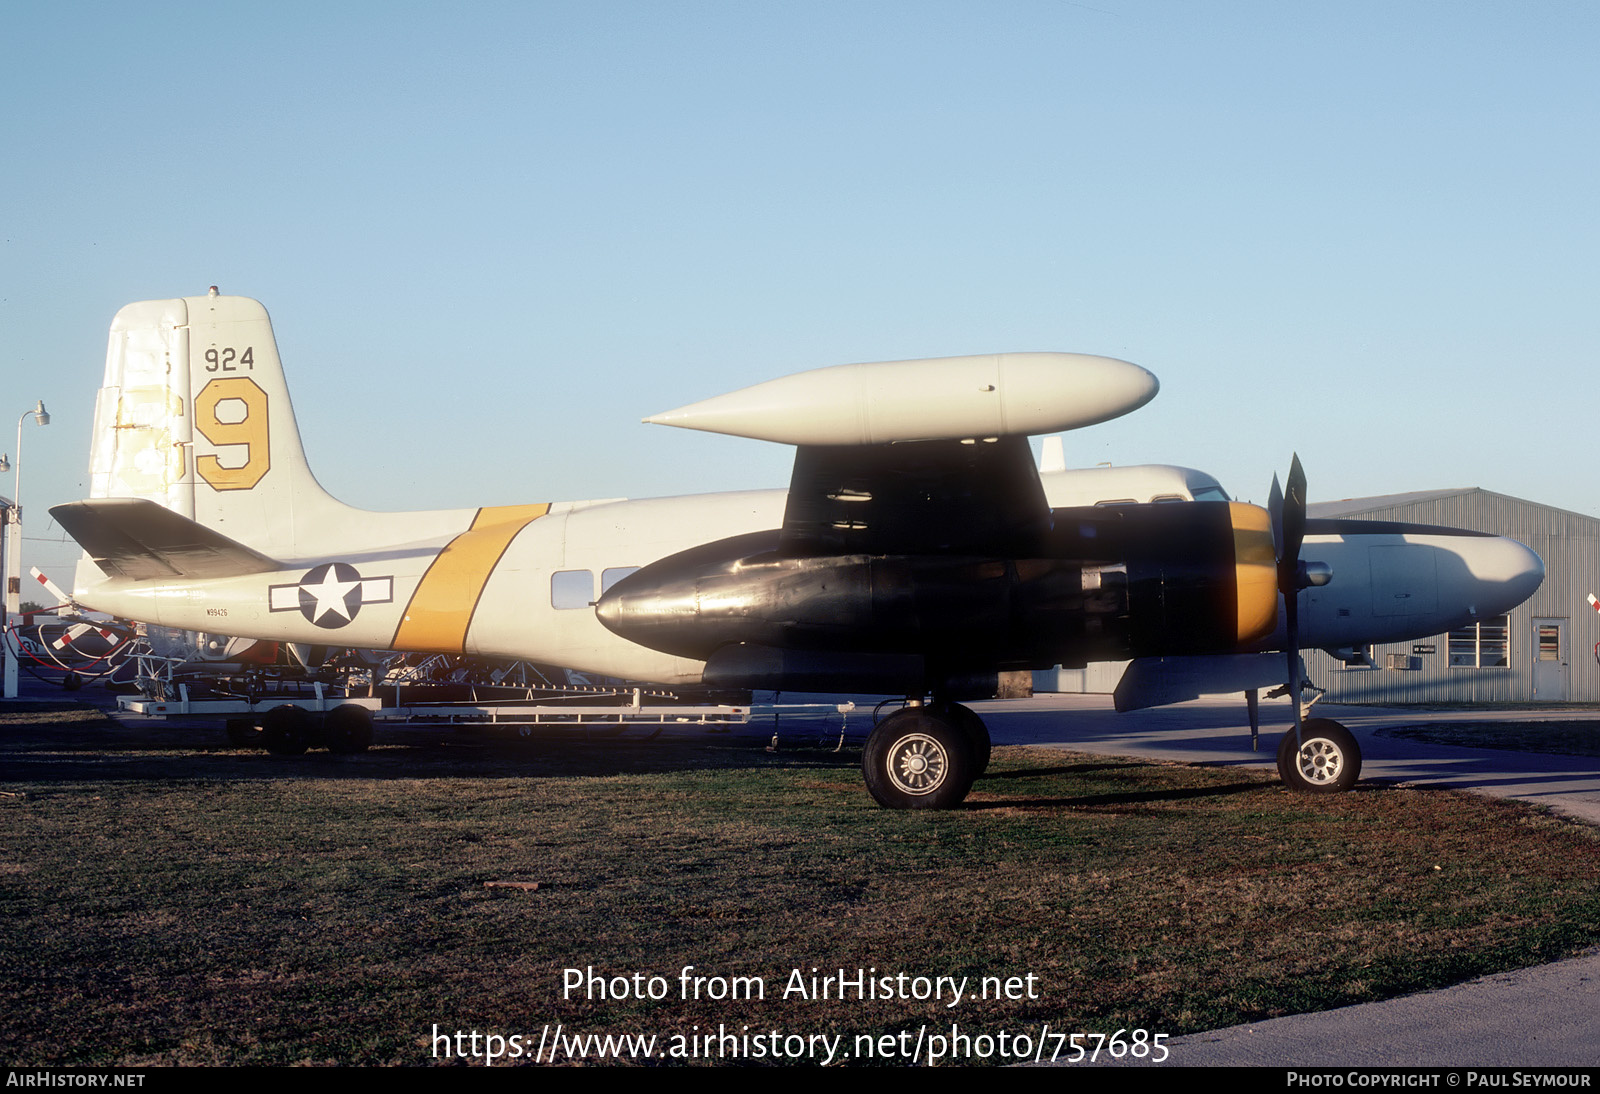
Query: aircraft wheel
[1327, 762]
[244, 733]
[349, 728]
[286, 730]
[916, 759]
[977, 734]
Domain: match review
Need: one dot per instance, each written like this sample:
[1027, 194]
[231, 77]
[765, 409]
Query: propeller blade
[1275, 511]
[1294, 509]
[1294, 529]
[1288, 510]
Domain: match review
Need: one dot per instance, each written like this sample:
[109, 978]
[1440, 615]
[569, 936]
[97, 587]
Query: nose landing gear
[1326, 761]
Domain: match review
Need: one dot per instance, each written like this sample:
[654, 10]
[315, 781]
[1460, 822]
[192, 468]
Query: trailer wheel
[286, 730]
[244, 733]
[348, 728]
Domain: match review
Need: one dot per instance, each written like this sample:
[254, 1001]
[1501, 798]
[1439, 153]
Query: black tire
[917, 759]
[286, 730]
[244, 733]
[979, 746]
[348, 728]
[1327, 762]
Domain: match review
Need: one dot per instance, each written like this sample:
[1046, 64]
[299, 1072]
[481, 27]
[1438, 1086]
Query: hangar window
[571, 589]
[1484, 645]
[1549, 642]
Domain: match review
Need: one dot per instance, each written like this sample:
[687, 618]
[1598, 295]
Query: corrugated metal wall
[1568, 542]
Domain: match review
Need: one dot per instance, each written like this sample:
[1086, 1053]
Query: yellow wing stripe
[441, 609]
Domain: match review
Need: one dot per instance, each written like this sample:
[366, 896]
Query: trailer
[290, 721]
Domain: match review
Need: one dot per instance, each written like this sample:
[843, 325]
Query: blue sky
[494, 236]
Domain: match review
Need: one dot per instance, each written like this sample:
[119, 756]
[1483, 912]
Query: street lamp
[14, 552]
[42, 416]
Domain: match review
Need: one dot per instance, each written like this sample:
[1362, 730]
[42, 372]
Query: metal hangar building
[1545, 650]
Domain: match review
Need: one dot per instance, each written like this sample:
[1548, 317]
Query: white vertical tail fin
[195, 419]
[195, 416]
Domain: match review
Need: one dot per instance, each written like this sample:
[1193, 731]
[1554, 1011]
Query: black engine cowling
[1104, 584]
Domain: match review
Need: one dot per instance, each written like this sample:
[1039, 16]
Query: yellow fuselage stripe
[441, 609]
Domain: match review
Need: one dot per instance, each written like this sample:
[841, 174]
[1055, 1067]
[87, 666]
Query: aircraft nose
[1506, 572]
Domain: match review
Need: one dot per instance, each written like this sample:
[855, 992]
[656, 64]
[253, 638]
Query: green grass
[167, 900]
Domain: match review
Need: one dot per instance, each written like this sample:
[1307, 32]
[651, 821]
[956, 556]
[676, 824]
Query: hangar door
[1550, 660]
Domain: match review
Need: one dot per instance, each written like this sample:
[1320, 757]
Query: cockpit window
[1211, 493]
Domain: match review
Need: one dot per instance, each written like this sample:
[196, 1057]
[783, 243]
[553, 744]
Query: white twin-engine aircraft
[917, 552]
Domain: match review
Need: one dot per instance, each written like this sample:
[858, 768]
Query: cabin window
[614, 574]
[1484, 645]
[571, 589]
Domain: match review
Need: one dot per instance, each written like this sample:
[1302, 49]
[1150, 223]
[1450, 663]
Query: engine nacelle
[1105, 584]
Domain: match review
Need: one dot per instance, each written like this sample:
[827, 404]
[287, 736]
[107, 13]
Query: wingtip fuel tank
[940, 398]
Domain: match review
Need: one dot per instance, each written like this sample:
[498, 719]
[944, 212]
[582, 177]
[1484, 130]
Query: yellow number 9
[250, 431]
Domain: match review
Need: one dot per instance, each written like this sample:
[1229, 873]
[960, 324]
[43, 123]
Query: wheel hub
[918, 764]
[1320, 761]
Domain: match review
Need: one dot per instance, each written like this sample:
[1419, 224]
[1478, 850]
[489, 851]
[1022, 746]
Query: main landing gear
[925, 756]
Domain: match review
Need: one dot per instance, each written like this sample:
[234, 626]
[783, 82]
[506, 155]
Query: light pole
[14, 552]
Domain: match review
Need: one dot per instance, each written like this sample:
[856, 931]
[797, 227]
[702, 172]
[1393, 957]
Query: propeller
[1288, 511]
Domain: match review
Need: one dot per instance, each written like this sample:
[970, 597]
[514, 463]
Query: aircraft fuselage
[535, 600]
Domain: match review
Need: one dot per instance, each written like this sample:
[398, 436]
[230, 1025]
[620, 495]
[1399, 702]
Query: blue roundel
[330, 594]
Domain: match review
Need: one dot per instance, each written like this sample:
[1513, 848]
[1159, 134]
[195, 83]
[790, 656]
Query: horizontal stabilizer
[135, 538]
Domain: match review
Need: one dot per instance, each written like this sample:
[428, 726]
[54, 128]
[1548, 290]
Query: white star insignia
[330, 594]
